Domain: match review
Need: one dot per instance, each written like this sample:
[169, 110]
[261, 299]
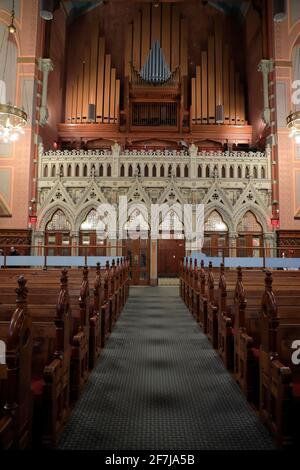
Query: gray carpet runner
[159, 385]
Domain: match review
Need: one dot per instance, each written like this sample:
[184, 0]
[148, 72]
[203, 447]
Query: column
[153, 262]
[46, 66]
[193, 152]
[232, 239]
[266, 66]
[74, 243]
[115, 171]
[270, 244]
[38, 241]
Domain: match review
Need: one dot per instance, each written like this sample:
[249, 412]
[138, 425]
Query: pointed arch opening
[215, 235]
[58, 240]
[91, 236]
[250, 236]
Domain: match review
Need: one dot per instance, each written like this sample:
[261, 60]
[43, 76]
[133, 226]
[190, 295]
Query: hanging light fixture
[12, 118]
[293, 124]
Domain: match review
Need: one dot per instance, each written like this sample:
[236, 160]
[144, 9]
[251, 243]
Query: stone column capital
[46, 65]
[266, 66]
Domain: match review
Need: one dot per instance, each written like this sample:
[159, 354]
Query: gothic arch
[47, 214]
[144, 211]
[83, 213]
[224, 213]
[258, 213]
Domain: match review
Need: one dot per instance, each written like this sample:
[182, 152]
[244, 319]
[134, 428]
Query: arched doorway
[171, 245]
[250, 236]
[215, 235]
[57, 236]
[91, 241]
[136, 246]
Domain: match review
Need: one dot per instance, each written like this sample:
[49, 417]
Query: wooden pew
[54, 342]
[15, 381]
[247, 332]
[230, 311]
[50, 368]
[279, 377]
[225, 324]
[202, 299]
[196, 292]
[212, 309]
[95, 320]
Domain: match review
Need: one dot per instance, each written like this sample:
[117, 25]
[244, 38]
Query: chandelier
[293, 123]
[12, 118]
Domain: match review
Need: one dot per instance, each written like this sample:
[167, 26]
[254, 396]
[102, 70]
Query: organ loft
[181, 105]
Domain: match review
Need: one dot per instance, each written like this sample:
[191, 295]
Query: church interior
[145, 339]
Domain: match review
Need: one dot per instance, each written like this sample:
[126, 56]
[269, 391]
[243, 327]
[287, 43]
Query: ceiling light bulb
[12, 29]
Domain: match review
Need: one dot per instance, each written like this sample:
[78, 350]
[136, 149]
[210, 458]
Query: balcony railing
[154, 164]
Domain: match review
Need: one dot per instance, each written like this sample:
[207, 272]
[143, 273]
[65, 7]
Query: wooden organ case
[157, 86]
[155, 70]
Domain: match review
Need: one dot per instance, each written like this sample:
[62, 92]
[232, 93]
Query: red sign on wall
[33, 219]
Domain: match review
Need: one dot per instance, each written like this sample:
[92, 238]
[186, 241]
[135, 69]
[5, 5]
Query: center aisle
[159, 385]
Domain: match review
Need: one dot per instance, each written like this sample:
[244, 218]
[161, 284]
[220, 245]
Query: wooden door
[215, 244]
[138, 252]
[250, 246]
[58, 243]
[169, 254]
[91, 244]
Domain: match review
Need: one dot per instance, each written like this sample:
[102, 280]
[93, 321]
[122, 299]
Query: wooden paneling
[175, 43]
[183, 48]
[145, 32]
[204, 87]
[198, 95]
[211, 80]
[137, 41]
[107, 88]
[155, 24]
[166, 32]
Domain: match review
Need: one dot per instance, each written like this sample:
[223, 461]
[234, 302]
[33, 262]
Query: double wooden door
[169, 254]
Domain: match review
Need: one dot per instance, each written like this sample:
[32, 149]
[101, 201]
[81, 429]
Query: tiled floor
[159, 385]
